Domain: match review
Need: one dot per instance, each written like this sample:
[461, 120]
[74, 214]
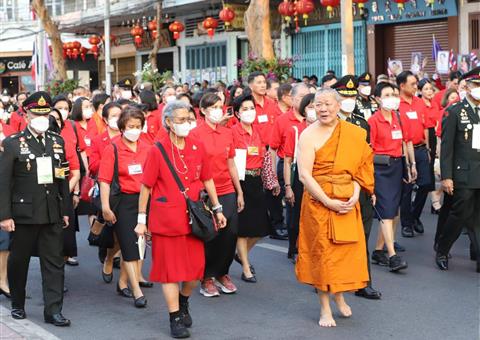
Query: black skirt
[253, 220]
[69, 233]
[388, 188]
[126, 214]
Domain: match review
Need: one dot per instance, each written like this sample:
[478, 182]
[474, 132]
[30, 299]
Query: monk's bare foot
[342, 306]
[327, 320]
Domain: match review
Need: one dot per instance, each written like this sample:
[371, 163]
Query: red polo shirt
[252, 143]
[282, 126]
[7, 129]
[437, 98]
[152, 127]
[130, 165]
[72, 157]
[266, 118]
[290, 142]
[17, 121]
[219, 147]
[386, 138]
[159, 111]
[87, 134]
[69, 136]
[413, 115]
[432, 114]
[99, 143]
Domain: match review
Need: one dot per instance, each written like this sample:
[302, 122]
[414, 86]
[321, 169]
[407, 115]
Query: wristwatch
[76, 193]
[217, 209]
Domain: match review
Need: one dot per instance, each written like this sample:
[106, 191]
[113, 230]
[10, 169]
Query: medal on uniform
[29, 166]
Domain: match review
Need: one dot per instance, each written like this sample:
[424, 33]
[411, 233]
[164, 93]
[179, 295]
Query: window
[54, 7]
[206, 62]
[8, 10]
[474, 36]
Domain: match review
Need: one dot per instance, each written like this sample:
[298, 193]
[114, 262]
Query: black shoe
[418, 226]
[102, 254]
[396, 263]
[237, 259]
[57, 320]
[145, 284]
[293, 259]
[379, 257]
[185, 315]
[72, 262]
[407, 232]
[19, 314]
[125, 292]
[7, 295]
[251, 279]
[107, 278]
[279, 235]
[141, 302]
[178, 330]
[441, 261]
[116, 262]
[478, 267]
[369, 293]
[434, 211]
[398, 247]
[473, 256]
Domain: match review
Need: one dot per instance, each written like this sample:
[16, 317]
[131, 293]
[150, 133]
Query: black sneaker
[396, 263]
[407, 232]
[418, 226]
[185, 315]
[379, 257]
[178, 329]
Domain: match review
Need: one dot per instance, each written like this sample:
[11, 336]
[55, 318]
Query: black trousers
[443, 216]
[366, 209]
[48, 239]
[220, 251]
[294, 216]
[464, 212]
[275, 203]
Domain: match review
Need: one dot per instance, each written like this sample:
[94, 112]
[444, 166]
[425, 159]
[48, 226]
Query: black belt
[416, 146]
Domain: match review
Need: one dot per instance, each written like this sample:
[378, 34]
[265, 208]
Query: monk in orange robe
[334, 163]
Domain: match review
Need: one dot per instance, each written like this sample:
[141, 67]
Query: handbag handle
[172, 170]
[115, 165]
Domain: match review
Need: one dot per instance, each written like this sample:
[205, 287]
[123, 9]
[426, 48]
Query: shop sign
[15, 64]
[387, 12]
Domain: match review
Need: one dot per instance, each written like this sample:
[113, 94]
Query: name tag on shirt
[262, 118]
[135, 169]
[476, 137]
[367, 113]
[412, 115]
[145, 128]
[397, 134]
[88, 141]
[252, 151]
[44, 170]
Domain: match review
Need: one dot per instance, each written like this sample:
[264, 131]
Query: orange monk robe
[331, 247]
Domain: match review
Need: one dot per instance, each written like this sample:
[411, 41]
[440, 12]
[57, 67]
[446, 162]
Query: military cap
[346, 86]
[125, 83]
[365, 78]
[472, 76]
[39, 103]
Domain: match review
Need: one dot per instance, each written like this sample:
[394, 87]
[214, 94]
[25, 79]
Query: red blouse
[386, 138]
[290, 145]
[99, 143]
[252, 143]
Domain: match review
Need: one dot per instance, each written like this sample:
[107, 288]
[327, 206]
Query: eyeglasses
[178, 120]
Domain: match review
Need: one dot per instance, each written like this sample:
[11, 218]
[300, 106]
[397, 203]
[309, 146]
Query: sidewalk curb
[25, 329]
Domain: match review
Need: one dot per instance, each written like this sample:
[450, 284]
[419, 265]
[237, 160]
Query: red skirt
[177, 259]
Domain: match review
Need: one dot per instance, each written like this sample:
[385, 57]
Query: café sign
[15, 64]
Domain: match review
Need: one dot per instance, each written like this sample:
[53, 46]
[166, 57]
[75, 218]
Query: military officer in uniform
[366, 104]
[347, 89]
[33, 173]
[460, 167]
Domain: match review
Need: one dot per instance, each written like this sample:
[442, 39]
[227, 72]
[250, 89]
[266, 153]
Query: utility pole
[108, 66]
[346, 15]
[40, 82]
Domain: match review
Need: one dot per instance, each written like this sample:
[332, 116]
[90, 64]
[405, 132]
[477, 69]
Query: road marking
[273, 247]
[24, 328]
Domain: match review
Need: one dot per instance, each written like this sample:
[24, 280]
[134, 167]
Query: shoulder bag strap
[397, 113]
[115, 165]
[172, 170]
[72, 123]
[296, 145]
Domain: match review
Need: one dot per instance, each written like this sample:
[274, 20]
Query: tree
[52, 30]
[156, 44]
[257, 27]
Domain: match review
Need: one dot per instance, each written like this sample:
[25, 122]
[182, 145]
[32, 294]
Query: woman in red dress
[178, 259]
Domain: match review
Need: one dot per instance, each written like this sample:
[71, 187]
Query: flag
[34, 60]
[474, 60]
[452, 62]
[435, 48]
[47, 57]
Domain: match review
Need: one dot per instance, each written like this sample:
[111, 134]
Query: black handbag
[382, 160]
[200, 216]
[115, 189]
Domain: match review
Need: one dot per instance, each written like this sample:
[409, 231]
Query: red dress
[176, 255]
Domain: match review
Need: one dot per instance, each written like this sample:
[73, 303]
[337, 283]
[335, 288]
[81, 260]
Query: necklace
[181, 159]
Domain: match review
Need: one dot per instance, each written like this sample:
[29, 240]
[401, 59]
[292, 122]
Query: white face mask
[311, 115]
[64, 114]
[391, 103]
[170, 99]
[475, 93]
[132, 135]
[193, 125]
[127, 94]
[348, 105]
[215, 115]
[5, 99]
[40, 124]
[87, 113]
[462, 94]
[112, 123]
[366, 91]
[248, 117]
[182, 130]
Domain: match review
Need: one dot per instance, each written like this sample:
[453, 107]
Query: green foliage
[150, 75]
[57, 87]
[279, 69]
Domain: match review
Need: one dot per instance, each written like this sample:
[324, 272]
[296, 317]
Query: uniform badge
[31, 156]
[469, 126]
[24, 151]
[350, 84]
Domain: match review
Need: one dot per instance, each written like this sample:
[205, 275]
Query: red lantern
[152, 25]
[83, 53]
[137, 33]
[94, 40]
[210, 24]
[286, 10]
[75, 47]
[176, 28]
[400, 5]
[304, 8]
[154, 34]
[227, 15]
[330, 4]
